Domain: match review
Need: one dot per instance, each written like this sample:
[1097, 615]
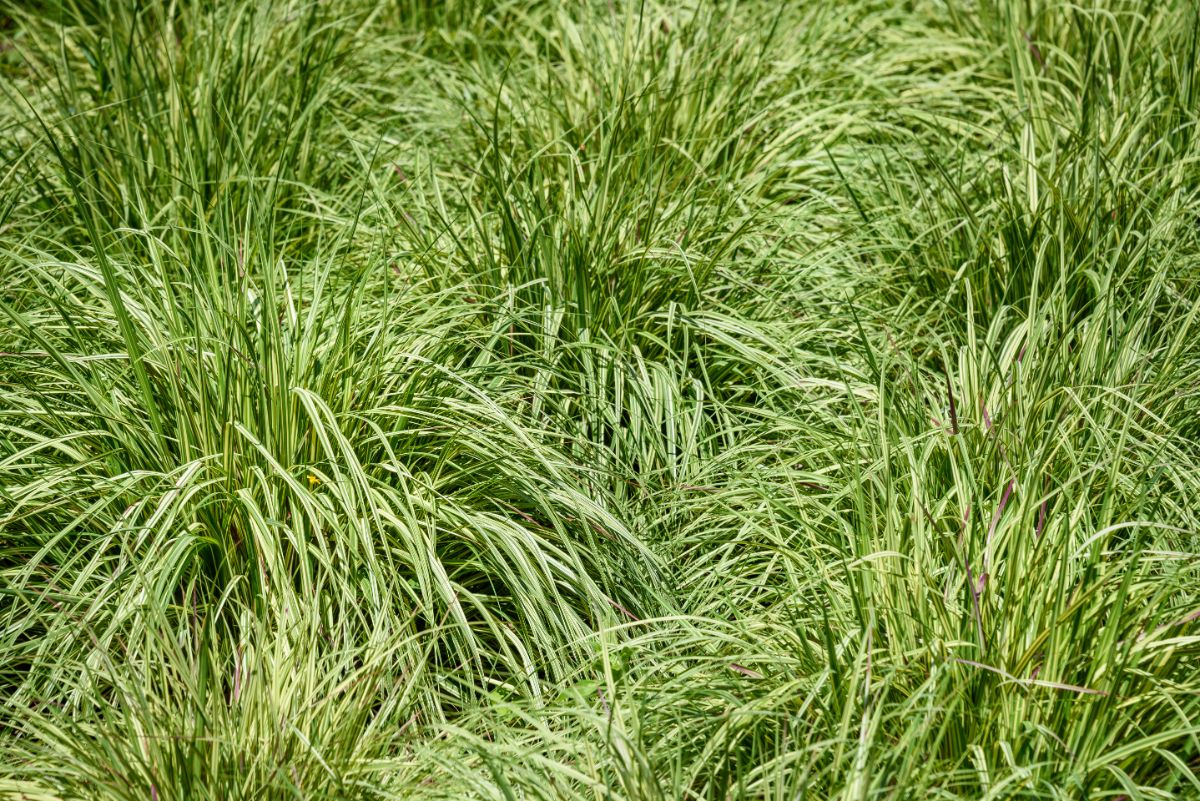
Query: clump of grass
[502, 400]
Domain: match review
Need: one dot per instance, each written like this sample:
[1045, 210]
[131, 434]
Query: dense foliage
[508, 399]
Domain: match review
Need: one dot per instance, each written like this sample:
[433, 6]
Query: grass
[615, 400]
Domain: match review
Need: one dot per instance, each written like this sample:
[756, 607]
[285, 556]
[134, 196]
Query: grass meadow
[610, 399]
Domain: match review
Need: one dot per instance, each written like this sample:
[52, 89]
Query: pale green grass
[608, 400]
